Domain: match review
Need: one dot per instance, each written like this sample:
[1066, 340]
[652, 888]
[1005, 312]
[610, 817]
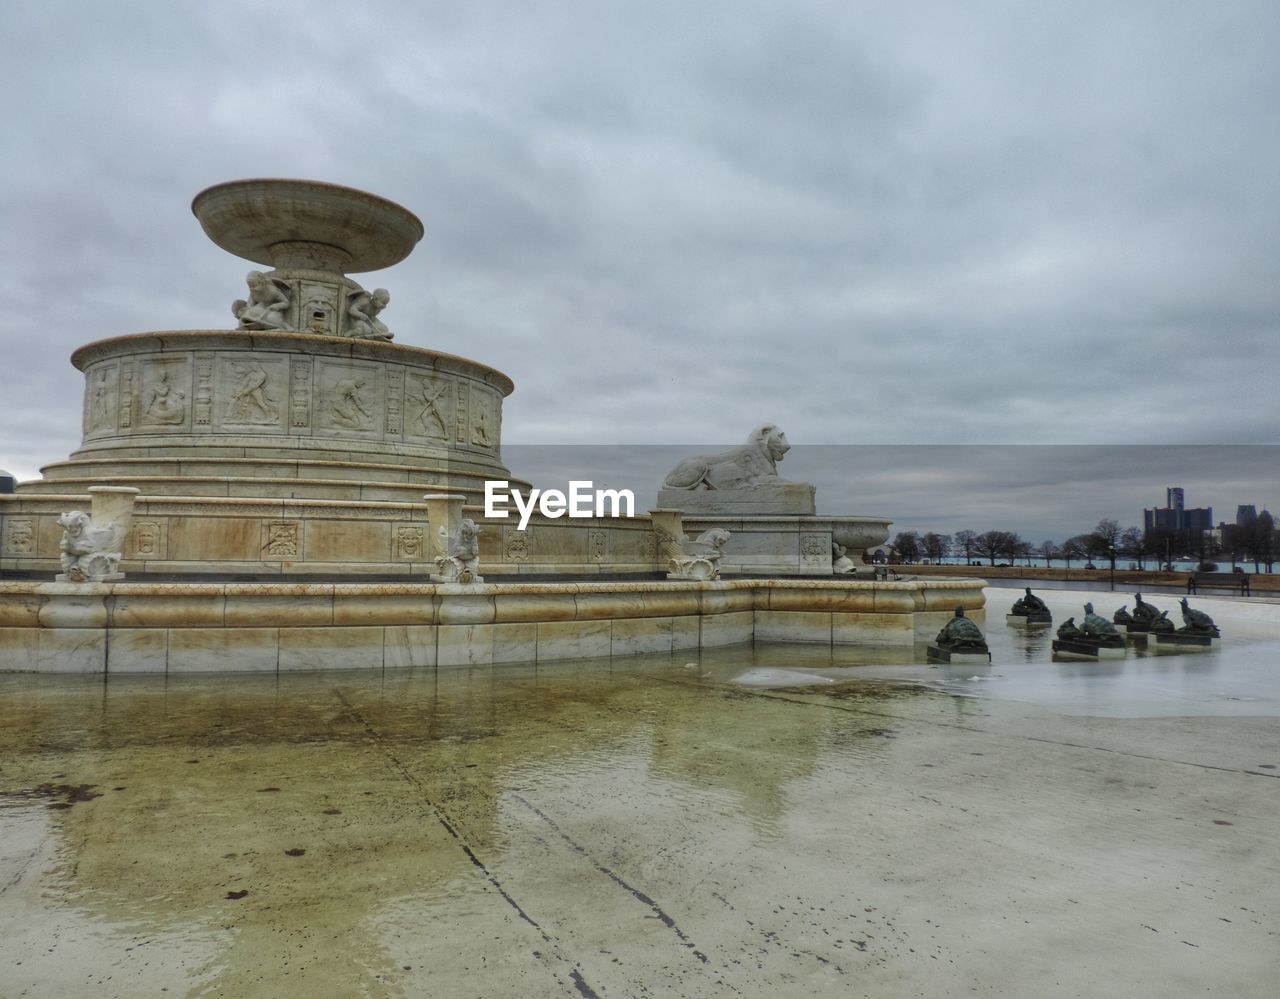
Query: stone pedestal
[1175, 643]
[445, 516]
[788, 546]
[938, 654]
[1066, 648]
[779, 498]
[668, 527]
[444, 510]
[1040, 618]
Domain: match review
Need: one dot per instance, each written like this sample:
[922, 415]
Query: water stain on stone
[297, 851]
[237, 894]
[1222, 822]
[863, 691]
[263, 790]
[69, 793]
[332, 811]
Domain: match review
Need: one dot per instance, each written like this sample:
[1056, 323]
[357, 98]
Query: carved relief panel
[393, 397]
[484, 419]
[349, 398]
[280, 538]
[516, 544]
[20, 537]
[202, 411]
[460, 417]
[300, 394]
[411, 542]
[815, 548]
[251, 393]
[100, 400]
[128, 395]
[319, 308]
[164, 393]
[147, 540]
[428, 406]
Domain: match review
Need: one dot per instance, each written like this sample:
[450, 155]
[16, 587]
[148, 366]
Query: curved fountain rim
[307, 343]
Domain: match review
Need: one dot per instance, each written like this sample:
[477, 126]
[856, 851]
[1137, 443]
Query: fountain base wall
[193, 627]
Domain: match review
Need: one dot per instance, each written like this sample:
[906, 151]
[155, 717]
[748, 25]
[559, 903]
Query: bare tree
[1075, 548]
[1048, 551]
[907, 545]
[1204, 546]
[964, 541]
[1258, 539]
[936, 546]
[1104, 540]
[1161, 543]
[992, 545]
[1235, 543]
[1133, 545]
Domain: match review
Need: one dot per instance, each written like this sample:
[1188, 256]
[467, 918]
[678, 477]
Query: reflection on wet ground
[736, 823]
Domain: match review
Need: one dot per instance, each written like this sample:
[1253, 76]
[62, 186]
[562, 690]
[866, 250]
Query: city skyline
[1052, 492]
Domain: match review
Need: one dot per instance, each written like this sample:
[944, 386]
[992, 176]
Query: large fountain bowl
[861, 533]
[266, 220]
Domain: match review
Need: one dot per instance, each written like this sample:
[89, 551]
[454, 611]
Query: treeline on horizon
[1257, 541]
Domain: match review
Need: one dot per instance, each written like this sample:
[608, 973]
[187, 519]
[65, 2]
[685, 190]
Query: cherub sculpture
[268, 302]
[457, 561]
[699, 559]
[362, 315]
[90, 552]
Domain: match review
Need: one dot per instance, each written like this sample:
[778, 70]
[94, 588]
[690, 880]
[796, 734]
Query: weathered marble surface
[175, 627]
[92, 544]
[297, 223]
[788, 545]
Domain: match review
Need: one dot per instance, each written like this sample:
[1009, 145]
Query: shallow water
[1242, 677]
[736, 823]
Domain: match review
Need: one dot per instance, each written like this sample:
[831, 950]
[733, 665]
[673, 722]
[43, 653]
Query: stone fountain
[304, 489]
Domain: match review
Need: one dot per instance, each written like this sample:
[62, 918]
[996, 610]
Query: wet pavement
[740, 823]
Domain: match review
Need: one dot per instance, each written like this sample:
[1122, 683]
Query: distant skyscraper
[1246, 515]
[1174, 516]
[1198, 519]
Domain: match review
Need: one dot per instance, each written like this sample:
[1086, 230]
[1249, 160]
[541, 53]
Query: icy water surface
[1240, 678]
[732, 824]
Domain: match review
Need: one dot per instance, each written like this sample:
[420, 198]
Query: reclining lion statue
[749, 466]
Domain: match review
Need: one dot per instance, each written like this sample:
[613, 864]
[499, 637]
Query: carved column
[668, 525]
[113, 506]
[443, 510]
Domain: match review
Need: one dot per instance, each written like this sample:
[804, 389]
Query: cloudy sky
[920, 223]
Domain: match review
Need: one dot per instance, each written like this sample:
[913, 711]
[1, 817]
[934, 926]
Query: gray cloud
[990, 223]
